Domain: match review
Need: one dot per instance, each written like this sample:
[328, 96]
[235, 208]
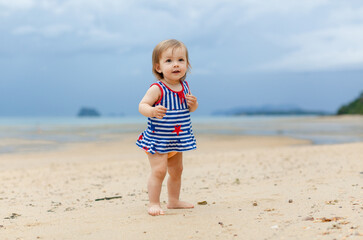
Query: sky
[57, 56]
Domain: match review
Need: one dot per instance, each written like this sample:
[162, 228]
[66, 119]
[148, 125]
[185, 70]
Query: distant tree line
[354, 107]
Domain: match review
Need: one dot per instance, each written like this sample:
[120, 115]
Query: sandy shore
[255, 188]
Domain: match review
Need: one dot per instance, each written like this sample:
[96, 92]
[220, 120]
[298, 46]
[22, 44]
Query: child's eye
[181, 60]
[168, 60]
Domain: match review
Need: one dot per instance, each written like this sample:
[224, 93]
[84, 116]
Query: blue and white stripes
[172, 133]
[172, 100]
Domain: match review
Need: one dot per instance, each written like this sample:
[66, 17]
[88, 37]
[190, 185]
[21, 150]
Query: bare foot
[155, 210]
[179, 205]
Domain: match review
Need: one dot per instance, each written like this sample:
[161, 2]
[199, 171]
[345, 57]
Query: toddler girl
[167, 104]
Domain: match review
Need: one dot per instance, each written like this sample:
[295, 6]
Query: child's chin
[175, 78]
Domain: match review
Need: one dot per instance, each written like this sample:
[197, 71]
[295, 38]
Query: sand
[254, 187]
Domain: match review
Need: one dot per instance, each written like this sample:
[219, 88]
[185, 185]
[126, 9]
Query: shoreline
[18, 146]
[14, 146]
[43, 133]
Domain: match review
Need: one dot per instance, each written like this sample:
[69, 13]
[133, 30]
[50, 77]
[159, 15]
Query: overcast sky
[57, 56]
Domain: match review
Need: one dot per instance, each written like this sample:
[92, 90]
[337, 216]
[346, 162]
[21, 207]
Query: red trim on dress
[172, 89]
[181, 94]
[161, 97]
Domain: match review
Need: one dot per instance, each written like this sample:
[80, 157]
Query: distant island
[270, 110]
[354, 107]
[88, 112]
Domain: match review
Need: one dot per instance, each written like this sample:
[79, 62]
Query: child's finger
[160, 115]
[191, 100]
[162, 108]
[162, 111]
[191, 97]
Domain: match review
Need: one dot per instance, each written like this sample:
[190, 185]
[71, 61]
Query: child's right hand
[159, 111]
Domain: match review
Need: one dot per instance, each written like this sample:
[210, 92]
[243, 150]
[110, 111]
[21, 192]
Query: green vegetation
[355, 107]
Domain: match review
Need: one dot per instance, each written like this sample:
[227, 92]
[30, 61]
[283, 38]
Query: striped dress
[172, 133]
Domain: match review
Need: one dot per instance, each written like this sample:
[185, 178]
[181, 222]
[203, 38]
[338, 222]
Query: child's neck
[171, 82]
[173, 85]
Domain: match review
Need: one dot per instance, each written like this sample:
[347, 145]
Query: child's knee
[159, 172]
[176, 171]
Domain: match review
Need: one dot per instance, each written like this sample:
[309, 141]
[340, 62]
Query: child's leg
[175, 169]
[158, 163]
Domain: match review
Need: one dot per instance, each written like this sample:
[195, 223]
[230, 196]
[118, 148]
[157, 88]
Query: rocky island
[88, 112]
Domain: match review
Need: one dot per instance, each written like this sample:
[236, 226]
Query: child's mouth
[176, 71]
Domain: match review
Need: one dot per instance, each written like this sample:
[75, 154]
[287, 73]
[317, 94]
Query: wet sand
[254, 187]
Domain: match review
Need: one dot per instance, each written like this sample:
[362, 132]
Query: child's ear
[157, 68]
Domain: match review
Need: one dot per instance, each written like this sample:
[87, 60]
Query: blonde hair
[162, 47]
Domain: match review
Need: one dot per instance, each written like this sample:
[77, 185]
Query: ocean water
[46, 133]
[317, 129]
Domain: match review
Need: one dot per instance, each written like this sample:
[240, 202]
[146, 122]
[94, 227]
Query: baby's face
[173, 64]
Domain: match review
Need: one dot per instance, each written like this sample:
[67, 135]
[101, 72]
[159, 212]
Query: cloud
[255, 9]
[217, 27]
[24, 30]
[335, 47]
[163, 15]
[16, 4]
[7, 8]
[46, 31]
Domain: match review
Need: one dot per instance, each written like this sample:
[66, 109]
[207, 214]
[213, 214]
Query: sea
[27, 134]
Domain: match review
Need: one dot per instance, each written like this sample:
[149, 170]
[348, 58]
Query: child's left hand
[191, 101]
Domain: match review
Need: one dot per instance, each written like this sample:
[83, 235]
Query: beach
[242, 186]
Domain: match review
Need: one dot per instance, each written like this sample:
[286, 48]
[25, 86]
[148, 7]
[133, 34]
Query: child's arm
[146, 105]
[192, 102]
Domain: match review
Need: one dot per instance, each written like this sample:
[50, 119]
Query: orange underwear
[170, 154]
